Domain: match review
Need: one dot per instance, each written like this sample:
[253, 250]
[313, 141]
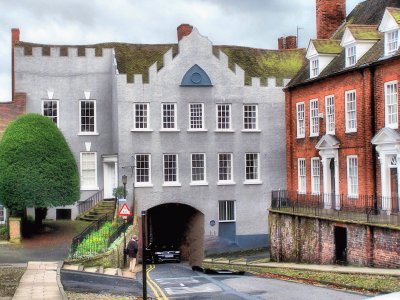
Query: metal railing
[368, 208]
[85, 205]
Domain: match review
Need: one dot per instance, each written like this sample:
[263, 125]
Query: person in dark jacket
[132, 252]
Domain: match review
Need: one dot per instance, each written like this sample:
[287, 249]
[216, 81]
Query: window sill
[197, 130]
[224, 131]
[355, 197]
[198, 183]
[251, 130]
[141, 130]
[300, 137]
[169, 130]
[252, 182]
[143, 184]
[330, 132]
[226, 183]
[90, 188]
[351, 131]
[392, 126]
[314, 135]
[227, 221]
[176, 184]
[88, 133]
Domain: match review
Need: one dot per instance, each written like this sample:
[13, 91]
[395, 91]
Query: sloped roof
[395, 12]
[137, 58]
[369, 13]
[327, 46]
[364, 32]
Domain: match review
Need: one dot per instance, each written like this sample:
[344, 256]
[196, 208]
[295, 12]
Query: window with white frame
[171, 168]
[301, 175]
[252, 167]
[141, 116]
[169, 116]
[2, 214]
[88, 170]
[226, 211]
[50, 110]
[351, 112]
[143, 169]
[88, 116]
[315, 176]
[330, 114]
[225, 167]
[198, 167]
[300, 120]
[392, 42]
[223, 116]
[351, 57]
[314, 65]
[391, 104]
[196, 116]
[352, 176]
[314, 118]
[250, 117]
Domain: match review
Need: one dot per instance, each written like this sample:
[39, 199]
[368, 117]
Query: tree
[37, 167]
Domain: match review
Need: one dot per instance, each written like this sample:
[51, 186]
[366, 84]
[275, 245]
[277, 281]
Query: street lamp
[124, 181]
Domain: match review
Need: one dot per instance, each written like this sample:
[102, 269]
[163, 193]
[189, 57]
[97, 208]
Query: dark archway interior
[179, 225]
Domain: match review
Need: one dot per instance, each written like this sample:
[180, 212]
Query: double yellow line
[157, 291]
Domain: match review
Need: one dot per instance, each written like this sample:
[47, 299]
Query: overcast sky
[251, 23]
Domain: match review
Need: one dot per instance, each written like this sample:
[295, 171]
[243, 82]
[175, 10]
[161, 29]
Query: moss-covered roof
[137, 58]
[395, 12]
[327, 46]
[364, 32]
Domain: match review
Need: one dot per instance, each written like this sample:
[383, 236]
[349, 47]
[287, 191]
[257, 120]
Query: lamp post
[124, 181]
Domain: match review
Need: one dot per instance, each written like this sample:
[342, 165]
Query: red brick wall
[10, 110]
[330, 15]
[289, 42]
[358, 143]
[312, 240]
[184, 30]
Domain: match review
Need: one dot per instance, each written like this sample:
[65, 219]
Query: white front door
[110, 172]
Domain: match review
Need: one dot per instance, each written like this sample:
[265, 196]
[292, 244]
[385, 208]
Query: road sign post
[124, 212]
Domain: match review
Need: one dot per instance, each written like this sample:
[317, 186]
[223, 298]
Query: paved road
[178, 281]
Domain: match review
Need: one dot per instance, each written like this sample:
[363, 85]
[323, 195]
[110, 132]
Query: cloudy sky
[252, 23]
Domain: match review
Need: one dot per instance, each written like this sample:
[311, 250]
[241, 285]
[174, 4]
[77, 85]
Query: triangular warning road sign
[124, 211]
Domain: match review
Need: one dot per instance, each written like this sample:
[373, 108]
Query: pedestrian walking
[132, 252]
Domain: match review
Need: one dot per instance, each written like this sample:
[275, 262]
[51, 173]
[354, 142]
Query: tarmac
[42, 279]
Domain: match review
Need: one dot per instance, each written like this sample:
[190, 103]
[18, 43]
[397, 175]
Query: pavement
[41, 281]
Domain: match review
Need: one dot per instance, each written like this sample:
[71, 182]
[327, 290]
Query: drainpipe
[373, 126]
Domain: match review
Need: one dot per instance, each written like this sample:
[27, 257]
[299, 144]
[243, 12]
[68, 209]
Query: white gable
[386, 136]
[388, 23]
[347, 38]
[328, 141]
[311, 51]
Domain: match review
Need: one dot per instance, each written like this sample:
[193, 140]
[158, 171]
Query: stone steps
[102, 208]
[99, 270]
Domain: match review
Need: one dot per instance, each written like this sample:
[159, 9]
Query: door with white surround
[110, 172]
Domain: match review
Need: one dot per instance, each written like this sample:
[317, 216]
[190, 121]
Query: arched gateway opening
[180, 225]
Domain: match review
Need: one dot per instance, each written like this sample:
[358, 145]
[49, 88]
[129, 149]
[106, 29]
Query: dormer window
[314, 68]
[351, 57]
[392, 41]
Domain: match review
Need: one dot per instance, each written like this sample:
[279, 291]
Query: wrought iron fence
[96, 238]
[85, 205]
[368, 208]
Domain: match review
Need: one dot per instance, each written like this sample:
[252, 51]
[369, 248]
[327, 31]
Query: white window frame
[315, 176]
[200, 181]
[250, 121]
[175, 116]
[171, 182]
[136, 117]
[330, 114]
[391, 104]
[57, 116]
[94, 132]
[391, 42]
[301, 176]
[314, 118]
[314, 67]
[219, 124]
[4, 214]
[230, 161]
[228, 207]
[248, 169]
[85, 186]
[192, 118]
[300, 120]
[139, 183]
[352, 177]
[351, 55]
[350, 104]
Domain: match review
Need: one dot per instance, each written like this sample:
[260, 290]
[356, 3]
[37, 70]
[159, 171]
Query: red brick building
[343, 140]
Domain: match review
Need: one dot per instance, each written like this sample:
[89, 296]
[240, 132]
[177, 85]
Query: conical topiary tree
[37, 167]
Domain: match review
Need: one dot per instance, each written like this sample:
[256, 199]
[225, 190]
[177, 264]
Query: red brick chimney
[330, 15]
[14, 40]
[183, 30]
[289, 42]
